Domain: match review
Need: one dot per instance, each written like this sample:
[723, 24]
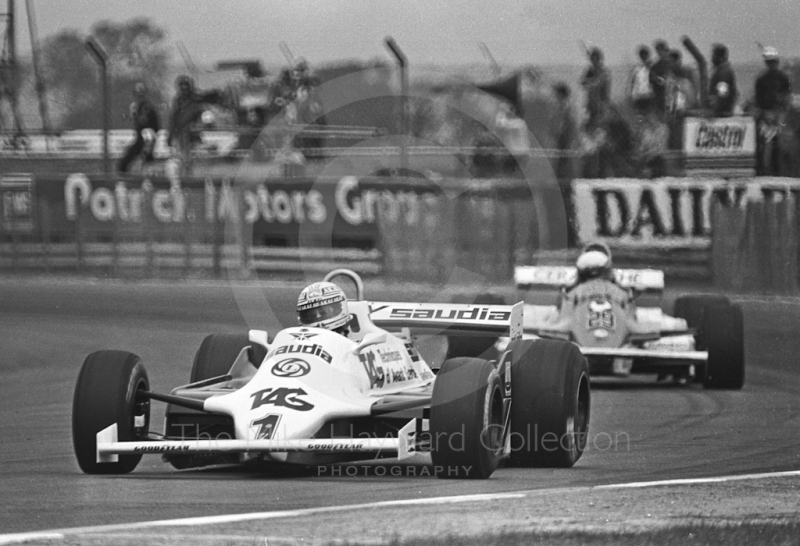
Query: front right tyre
[106, 393]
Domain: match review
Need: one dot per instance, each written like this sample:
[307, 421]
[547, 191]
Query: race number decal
[601, 315]
[266, 426]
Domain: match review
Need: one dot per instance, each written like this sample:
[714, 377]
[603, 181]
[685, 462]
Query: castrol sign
[734, 136]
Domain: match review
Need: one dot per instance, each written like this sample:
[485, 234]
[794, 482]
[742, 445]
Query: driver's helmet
[594, 261]
[322, 305]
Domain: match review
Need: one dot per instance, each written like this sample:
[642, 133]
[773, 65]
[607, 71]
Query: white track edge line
[233, 518]
[689, 481]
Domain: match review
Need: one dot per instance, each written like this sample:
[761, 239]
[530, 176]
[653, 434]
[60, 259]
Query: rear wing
[450, 318]
[641, 280]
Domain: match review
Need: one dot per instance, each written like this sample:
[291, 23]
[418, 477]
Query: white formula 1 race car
[312, 396]
[704, 341]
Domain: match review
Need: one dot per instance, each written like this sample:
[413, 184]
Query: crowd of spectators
[642, 135]
[288, 100]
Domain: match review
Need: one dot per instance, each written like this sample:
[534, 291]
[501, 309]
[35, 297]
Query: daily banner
[342, 211]
[664, 213]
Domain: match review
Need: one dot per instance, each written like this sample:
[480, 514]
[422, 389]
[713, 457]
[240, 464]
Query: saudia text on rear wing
[450, 318]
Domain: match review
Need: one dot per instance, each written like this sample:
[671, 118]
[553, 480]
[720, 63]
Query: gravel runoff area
[598, 511]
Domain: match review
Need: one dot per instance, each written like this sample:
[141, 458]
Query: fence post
[147, 220]
[79, 229]
[187, 232]
[44, 231]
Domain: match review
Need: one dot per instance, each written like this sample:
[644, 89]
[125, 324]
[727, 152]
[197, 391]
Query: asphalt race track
[640, 430]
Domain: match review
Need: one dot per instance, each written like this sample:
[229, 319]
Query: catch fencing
[755, 247]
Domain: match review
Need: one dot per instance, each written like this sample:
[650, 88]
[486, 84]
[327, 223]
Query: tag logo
[283, 397]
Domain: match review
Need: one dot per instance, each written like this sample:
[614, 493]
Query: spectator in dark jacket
[722, 91]
[187, 109]
[660, 77]
[144, 119]
[596, 82]
[772, 101]
[773, 86]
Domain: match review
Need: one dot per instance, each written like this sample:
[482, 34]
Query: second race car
[597, 309]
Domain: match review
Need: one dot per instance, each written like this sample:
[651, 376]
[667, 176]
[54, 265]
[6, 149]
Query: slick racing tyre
[550, 403]
[218, 352]
[106, 394]
[723, 328]
[692, 308]
[466, 419]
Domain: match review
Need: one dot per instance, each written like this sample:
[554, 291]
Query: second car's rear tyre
[723, 328]
[106, 394]
[466, 419]
[692, 308]
[550, 403]
[218, 352]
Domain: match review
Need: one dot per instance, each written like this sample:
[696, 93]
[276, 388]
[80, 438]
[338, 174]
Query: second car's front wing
[645, 354]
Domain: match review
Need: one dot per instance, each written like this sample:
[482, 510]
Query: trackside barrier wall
[153, 227]
[468, 232]
[755, 247]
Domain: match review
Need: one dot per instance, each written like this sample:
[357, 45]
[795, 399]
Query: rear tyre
[106, 394]
[550, 403]
[723, 328]
[466, 419]
[218, 352]
[692, 308]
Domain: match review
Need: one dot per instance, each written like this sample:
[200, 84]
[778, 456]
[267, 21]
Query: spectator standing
[565, 135]
[596, 82]
[564, 131]
[187, 109]
[660, 77]
[722, 93]
[640, 90]
[144, 119]
[681, 97]
[773, 93]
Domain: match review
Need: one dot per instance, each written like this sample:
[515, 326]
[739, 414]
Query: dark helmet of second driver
[322, 305]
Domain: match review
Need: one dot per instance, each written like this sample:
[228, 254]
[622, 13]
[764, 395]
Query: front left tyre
[218, 352]
[550, 403]
[106, 393]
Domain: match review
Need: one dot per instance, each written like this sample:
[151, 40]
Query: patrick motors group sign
[339, 208]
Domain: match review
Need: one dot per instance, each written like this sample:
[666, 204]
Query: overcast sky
[433, 31]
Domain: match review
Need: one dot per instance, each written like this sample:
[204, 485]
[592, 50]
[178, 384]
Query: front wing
[109, 448]
[645, 354]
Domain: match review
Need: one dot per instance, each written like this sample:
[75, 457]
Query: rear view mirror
[370, 339]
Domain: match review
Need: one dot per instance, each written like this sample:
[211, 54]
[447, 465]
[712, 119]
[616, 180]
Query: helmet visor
[318, 314]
